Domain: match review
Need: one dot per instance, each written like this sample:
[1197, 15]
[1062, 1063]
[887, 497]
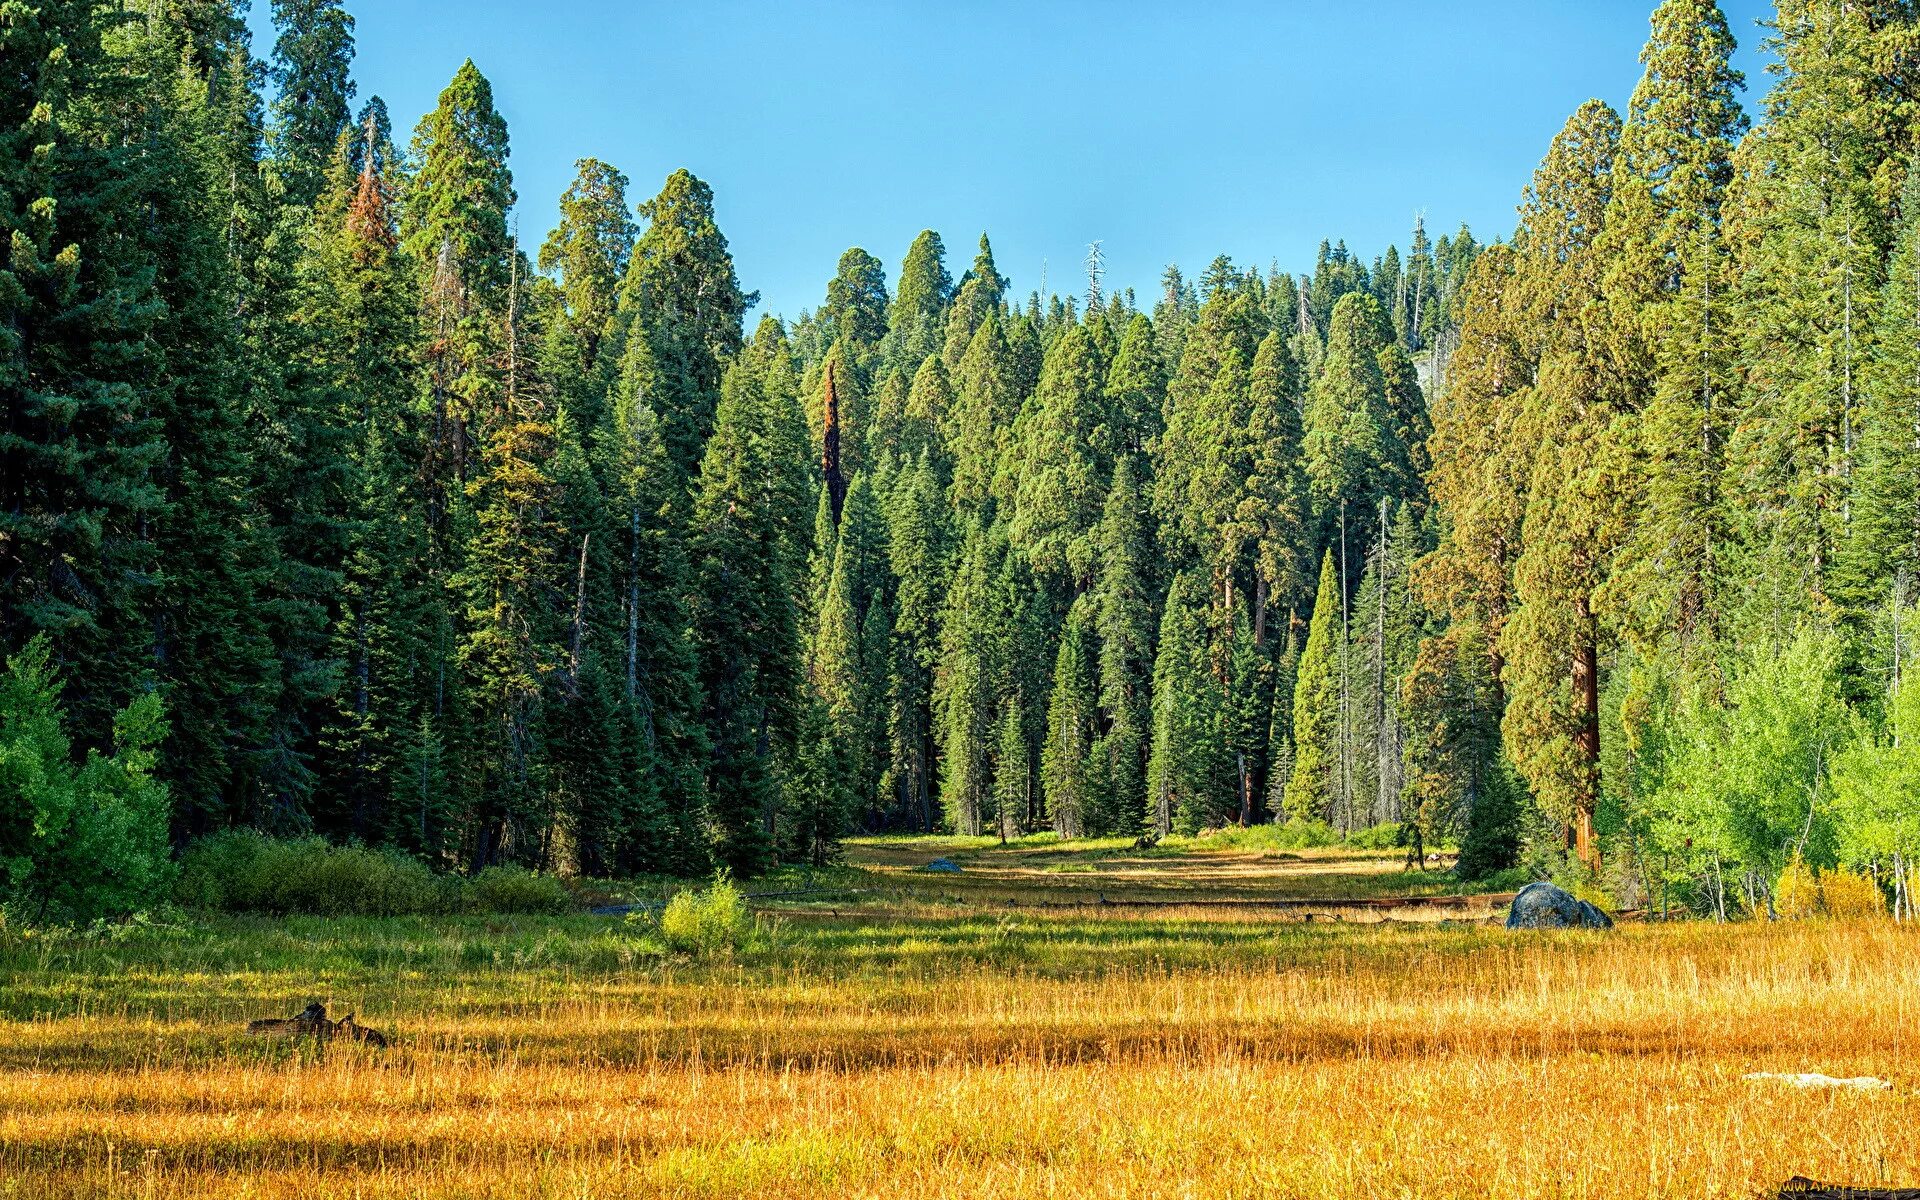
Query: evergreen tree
[1314, 787]
[588, 252]
[856, 307]
[1184, 768]
[312, 65]
[1063, 471]
[1067, 773]
[849, 666]
[916, 324]
[1123, 598]
[1574, 517]
[918, 552]
[747, 547]
[682, 296]
[79, 375]
[1884, 546]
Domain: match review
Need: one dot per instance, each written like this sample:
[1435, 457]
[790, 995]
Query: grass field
[917, 1036]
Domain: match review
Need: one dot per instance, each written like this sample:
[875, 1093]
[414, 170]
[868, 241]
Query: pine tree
[1272, 516]
[849, 669]
[987, 397]
[356, 309]
[1670, 293]
[918, 555]
[1123, 599]
[748, 545]
[682, 296]
[1198, 475]
[916, 324]
[1313, 787]
[589, 252]
[1808, 213]
[966, 694]
[1574, 518]
[78, 373]
[312, 65]
[1136, 389]
[1063, 472]
[1067, 776]
[512, 644]
[980, 295]
[1884, 546]
[856, 307]
[1184, 768]
[659, 680]
[1352, 451]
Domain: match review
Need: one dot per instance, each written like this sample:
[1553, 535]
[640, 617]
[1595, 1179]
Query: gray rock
[946, 865]
[1544, 906]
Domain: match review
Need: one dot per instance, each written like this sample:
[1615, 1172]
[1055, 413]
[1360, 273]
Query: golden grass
[1085, 1054]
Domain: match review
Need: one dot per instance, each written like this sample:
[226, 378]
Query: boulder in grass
[945, 865]
[1544, 906]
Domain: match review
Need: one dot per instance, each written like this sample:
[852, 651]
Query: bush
[1386, 836]
[82, 836]
[517, 890]
[701, 923]
[1851, 894]
[243, 871]
[1797, 894]
[1296, 834]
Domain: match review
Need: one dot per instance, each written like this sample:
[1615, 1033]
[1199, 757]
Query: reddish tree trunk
[1586, 694]
[830, 447]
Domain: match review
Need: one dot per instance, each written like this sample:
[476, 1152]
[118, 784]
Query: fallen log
[1802, 1188]
[312, 1022]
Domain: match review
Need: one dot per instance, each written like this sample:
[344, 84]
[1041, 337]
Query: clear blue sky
[1172, 132]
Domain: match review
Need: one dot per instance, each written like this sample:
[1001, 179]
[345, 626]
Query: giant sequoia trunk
[1586, 698]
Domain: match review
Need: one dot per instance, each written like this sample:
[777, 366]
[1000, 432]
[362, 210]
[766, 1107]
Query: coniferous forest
[328, 506]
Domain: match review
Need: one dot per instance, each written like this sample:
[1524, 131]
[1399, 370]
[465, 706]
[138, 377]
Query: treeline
[424, 540]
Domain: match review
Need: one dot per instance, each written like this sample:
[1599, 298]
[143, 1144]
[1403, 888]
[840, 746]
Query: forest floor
[915, 1034]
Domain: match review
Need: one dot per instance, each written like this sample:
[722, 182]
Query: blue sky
[1170, 131]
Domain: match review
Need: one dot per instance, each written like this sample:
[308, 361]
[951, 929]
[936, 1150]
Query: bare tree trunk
[579, 614]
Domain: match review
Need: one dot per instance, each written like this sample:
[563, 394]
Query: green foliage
[708, 922]
[1313, 786]
[242, 871]
[1748, 782]
[513, 889]
[81, 837]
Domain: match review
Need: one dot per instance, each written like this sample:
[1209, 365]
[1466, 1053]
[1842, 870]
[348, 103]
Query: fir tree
[1314, 785]
[312, 64]
[1123, 598]
[1067, 776]
[747, 544]
[682, 296]
[1184, 768]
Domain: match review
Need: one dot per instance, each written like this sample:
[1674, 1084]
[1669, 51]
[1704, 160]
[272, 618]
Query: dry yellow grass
[1086, 1055]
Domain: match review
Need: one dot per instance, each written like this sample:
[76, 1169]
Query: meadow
[994, 1032]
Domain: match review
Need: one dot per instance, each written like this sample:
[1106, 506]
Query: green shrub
[517, 890]
[82, 835]
[1385, 836]
[243, 871]
[701, 923]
